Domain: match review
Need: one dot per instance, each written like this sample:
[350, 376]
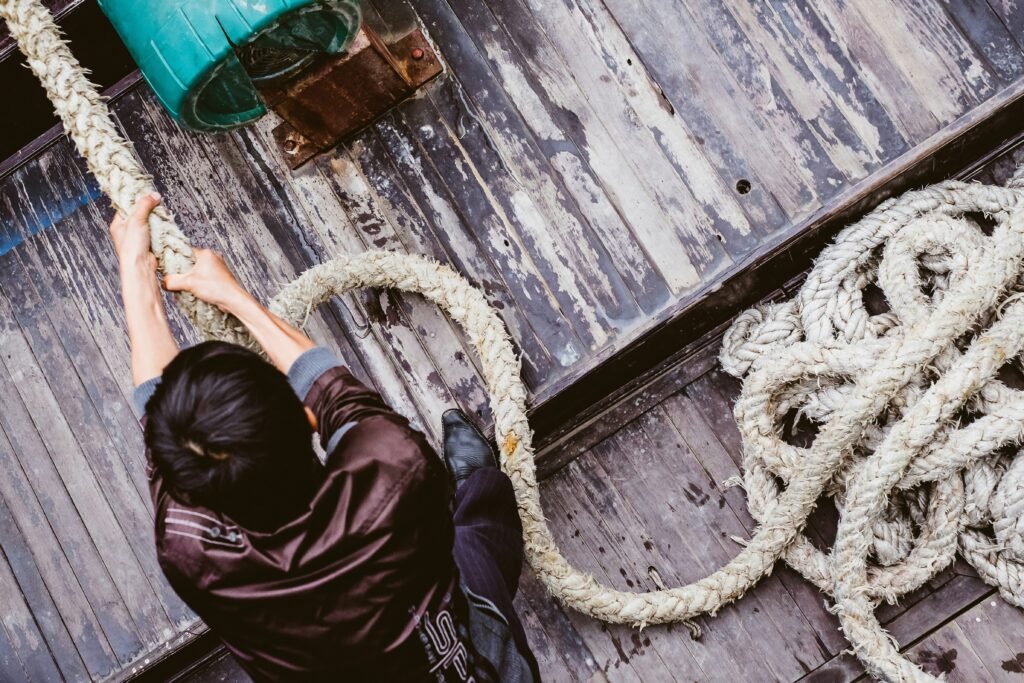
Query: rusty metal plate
[338, 96]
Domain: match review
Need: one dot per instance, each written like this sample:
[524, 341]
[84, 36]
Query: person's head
[227, 432]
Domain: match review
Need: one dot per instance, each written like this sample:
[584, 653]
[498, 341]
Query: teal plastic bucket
[192, 51]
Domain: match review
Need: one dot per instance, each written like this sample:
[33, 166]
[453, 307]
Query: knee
[490, 483]
[487, 494]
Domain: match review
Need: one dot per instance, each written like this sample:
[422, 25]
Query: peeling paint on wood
[592, 167]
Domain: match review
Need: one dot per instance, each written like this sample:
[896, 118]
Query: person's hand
[131, 235]
[209, 280]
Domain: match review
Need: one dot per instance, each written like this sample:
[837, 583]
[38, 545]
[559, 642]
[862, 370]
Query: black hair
[227, 432]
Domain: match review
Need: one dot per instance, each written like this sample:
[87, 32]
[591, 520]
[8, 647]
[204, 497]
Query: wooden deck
[643, 503]
[635, 497]
[598, 169]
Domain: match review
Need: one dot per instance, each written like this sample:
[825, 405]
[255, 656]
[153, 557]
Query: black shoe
[465, 448]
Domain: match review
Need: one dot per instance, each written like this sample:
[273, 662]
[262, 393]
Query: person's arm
[212, 281]
[149, 335]
[336, 399]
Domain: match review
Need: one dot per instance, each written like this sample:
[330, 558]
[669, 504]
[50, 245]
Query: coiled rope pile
[887, 389]
[919, 441]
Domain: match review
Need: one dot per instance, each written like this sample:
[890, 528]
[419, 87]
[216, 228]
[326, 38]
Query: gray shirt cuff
[142, 394]
[308, 368]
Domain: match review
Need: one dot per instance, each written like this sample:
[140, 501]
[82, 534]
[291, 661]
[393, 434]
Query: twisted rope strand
[109, 156]
[911, 395]
[888, 390]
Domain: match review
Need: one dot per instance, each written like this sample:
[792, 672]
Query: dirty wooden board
[592, 167]
[564, 165]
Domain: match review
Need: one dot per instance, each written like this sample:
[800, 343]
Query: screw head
[291, 146]
[417, 53]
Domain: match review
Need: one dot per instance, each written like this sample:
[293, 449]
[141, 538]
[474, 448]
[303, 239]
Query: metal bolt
[417, 53]
[291, 146]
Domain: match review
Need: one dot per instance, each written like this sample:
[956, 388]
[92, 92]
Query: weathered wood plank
[38, 645]
[546, 187]
[590, 429]
[853, 127]
[65, 350]
[466, 235]
[599, 57]
[949, 654]
[792, 104]
[39, 501]
[50, 295]
[689, 64]
[478, 234]
[690, 507]
[609, 549]
[525, 305]
[110, 505]
[717, 408]
[561, 653]
[942, 71]
[994, 630]
[112, 408]
[359, 195]
[576, 264]
[966, 66]
[84, 268]
[29, 619]
[682, 413]
[695, 145]
[1011, 12]
[596, 121]
[866, 52]
[989, 36]
[9, 660]
[561, 294]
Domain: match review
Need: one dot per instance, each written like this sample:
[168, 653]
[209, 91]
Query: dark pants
[489, 545]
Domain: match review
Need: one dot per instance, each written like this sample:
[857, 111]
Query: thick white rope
[918, 441]
[886, 389]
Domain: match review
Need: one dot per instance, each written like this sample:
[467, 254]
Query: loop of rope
[918, 439]
[888, 390]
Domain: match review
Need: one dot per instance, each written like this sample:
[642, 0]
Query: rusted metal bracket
[338, 96]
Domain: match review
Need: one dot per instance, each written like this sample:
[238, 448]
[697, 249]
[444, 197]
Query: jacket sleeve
[338, 400]
[389, 463]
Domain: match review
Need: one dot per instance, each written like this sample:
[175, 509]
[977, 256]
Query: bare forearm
[211, 280]
[282, 342]
[149, 334]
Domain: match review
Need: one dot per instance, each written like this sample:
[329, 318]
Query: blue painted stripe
[47, 215]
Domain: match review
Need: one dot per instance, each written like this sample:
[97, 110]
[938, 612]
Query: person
[354, 565]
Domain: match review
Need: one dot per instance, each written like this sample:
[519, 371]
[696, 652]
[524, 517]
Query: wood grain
[597, 169]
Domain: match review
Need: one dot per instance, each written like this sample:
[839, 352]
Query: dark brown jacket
[362, 586]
